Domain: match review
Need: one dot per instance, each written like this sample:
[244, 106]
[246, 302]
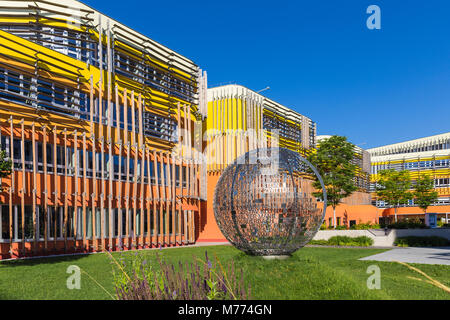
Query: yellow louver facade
[240, 120]
[99, 123]
[426, 156]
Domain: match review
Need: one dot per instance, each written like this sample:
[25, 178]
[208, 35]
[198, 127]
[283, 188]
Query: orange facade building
[429, 156]
[100, 124]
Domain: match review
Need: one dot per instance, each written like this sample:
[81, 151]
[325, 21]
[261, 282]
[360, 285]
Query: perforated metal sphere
[263, 202]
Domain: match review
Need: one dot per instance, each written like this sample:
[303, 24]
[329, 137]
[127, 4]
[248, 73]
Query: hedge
[414, 241]
[361, 241]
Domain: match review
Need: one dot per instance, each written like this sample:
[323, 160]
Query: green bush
[365, 226]
[408, 224]
[414, 241]
[319, 242]
[362, 241]
[337, 228]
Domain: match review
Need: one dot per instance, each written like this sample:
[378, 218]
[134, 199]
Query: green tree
[333, 159]
[424, 193]
[5, 166]
[393, 187]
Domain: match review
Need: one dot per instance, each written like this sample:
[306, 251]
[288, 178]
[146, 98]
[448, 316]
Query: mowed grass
[312, 273]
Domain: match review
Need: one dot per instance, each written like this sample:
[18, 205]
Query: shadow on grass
[41, 260]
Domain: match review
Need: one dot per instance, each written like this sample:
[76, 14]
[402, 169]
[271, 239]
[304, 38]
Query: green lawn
[312, 273]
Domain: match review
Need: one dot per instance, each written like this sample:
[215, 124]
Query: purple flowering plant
[139, 278]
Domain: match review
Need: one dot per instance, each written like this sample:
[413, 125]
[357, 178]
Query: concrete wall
[380, 239]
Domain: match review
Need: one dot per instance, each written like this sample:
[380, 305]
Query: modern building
[426, 156]
[240, 120]
[91, 111]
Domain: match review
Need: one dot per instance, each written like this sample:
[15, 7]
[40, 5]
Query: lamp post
[265, 89]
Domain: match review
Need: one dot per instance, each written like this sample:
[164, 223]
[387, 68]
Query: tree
[5, 166]
[393, 187]
[424, 194]
[333, 159]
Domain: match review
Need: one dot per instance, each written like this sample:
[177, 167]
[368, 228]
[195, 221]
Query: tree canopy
[393, 187]
[334, 161]
[424, 193]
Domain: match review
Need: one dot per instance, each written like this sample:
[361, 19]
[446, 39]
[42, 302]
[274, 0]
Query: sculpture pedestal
[276, 257]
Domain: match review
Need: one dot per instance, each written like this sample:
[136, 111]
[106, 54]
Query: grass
[312, 273]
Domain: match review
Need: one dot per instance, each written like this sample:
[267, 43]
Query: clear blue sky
[375, 87]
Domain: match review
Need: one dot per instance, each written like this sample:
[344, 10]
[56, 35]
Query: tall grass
[136, 278]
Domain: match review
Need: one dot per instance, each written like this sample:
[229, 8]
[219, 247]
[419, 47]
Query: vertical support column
[142, 198]
[168, 200]
[23, 191]
[125, 117]
[133, 120]
[109, 108]
[85, 190]
[110, 193]
[94, 194]
[149, 198]
[116, 92]
[92, 104]
[155, 208]
[100, 85]
[119, 199]
[180, 175]
[223, 149]
[55, 177]
[75, 194]
[127, 199]
[164, 199]
[142, 148]
[45, 193]
[12, 187]
[102, 193]
[180, 202]
[135, 186]
[186, 147]
[35, 212]
[174, 201]
[191, 166]
[66, 191]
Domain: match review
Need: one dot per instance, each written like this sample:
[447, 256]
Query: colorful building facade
[99, 122]
[240, 120]
[426, 156]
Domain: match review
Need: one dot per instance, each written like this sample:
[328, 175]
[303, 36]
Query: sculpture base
[276, 257]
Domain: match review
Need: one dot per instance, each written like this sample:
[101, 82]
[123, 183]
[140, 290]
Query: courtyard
[311, 273]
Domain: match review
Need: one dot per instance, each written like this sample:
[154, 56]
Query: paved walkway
[414, 255]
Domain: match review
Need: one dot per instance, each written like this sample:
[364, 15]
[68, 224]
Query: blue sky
[374, 86]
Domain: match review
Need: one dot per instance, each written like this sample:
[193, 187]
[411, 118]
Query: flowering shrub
[137, 279]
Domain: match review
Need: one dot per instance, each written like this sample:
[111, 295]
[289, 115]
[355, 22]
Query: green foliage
[333, 159]
[408, 224]
[424, 193]
[136, 279]
[393, 187]
[414, 241]
[361, 241]
[5, 166]
[134, 266]
[365, 226]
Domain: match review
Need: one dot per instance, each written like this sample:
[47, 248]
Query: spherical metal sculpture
[263, 202]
